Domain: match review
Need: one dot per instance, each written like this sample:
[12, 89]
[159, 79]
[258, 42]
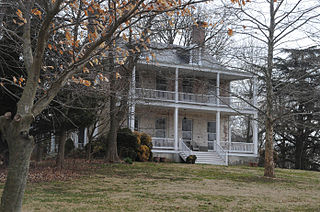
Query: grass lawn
[177, 187]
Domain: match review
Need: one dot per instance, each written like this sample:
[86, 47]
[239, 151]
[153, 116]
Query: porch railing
[184, 149]
[151, 94]
[197, 98]
[240, 147]
[221, 152]
[155, 94]
[162, 143]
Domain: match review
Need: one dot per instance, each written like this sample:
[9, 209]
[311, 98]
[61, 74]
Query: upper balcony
[189, 86]
[153, 95]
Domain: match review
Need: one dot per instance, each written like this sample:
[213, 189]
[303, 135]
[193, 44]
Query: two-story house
[182, 99]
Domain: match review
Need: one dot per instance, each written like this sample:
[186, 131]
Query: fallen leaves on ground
[45, 171]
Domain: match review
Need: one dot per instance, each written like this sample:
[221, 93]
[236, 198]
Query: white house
[182, 99]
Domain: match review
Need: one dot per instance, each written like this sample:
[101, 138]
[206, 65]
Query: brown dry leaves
[46, 171]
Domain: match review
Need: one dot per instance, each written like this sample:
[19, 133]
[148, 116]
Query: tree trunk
[111, 151]
[248, 137]
[20, 149]
[269, 163]
[38, 152]
[298, 154]
[62, 143]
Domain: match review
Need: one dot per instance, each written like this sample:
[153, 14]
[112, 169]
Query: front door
[187, 131]
[211, 130]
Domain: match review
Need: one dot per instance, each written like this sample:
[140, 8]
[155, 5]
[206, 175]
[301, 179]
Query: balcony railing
[162, 143]
[191, 98]
[155, 94]
[239, 147]
[197, 98]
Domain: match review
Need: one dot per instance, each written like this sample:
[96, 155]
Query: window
[212, 87]
[211, 129]
[138, 84]
[136, 123]
[161, 83]
[187, 86]
[187, 129]
[160, 128]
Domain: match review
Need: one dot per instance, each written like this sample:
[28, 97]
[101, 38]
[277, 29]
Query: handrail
[221, 152]
[184, 148]
[155, 94]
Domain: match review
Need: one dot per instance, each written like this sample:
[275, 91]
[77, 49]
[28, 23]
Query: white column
[218, 127]
[229, 132]
[176, 135]
[176, 87]
[85, 136]
[176, 112]
[255, 133]
[218, 88]
[53, 142]
[132, 105]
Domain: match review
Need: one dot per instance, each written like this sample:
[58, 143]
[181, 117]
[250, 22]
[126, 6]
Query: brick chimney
[198, 34]
[198, 38]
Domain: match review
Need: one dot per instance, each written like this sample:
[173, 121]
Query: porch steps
[208, 158]
[205, 158]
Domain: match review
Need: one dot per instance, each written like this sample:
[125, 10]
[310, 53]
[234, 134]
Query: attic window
[196, 56]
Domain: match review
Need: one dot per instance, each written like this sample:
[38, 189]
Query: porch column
[176, 135]
[255, 133]
[85, 136]
[132, 105]
[229, 133]
[218, 88]
[176, 112]
[52, 142]
[218, 127]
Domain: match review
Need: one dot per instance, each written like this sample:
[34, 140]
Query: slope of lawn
[177, 187]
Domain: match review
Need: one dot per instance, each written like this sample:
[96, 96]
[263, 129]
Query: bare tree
[273, 28]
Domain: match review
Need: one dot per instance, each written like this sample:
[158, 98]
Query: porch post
[255, 133]
[132, 105]
[229, 133]
[53, 142]
[218, 88]
[85, 136]
[176, 137]
[176, 112]
[218, 127]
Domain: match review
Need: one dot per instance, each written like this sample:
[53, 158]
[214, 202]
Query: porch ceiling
[182, 111]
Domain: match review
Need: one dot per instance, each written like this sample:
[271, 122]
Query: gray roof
[176, 55]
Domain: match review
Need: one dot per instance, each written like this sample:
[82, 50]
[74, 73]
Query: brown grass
[177, 187]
